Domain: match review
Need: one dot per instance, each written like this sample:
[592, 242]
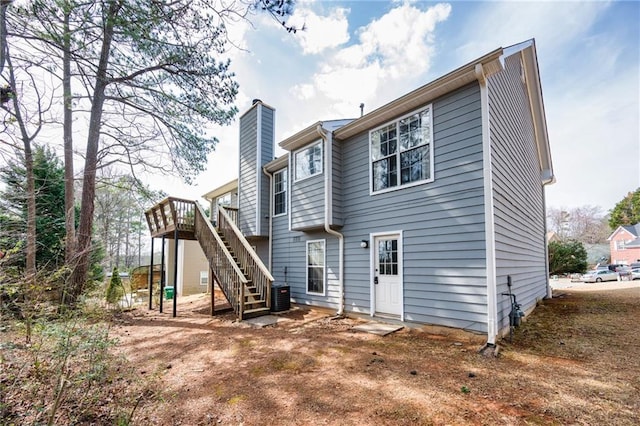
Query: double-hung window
[308, 161]
[401, 153]
[280, 192]
[315, 266]
[620, 245]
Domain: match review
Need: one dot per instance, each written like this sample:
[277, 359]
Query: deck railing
[232, 212]
[171, 213]
[246, 257]
[228, 274]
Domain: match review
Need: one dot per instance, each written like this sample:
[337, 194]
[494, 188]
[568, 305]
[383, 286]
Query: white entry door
[387, 275]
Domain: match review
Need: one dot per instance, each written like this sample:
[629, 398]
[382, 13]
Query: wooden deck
[169, 214]
[236, 267]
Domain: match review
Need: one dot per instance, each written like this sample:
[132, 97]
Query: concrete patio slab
[263, 321]
[381, 329]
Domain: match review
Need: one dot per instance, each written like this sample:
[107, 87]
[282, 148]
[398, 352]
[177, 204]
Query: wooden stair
[244, 280]
[248, 288]
[254, 305]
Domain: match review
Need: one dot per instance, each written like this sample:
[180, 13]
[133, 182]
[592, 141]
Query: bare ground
[576, 360]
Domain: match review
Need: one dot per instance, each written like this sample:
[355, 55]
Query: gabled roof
[634, 230]
[481, 68]
[412, 100]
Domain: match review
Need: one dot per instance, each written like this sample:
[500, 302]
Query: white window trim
[286, 193]
[431, 145]
[372, 268]
[620, 245]
[204, 276]
[324, 267]
[295, 160]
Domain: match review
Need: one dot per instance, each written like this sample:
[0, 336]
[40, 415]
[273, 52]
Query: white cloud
[552, 24]
[396, 47]
[590, 79]
[303, 91]
[321, 32]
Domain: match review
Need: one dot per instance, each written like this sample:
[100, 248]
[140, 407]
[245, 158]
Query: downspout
[546, 246]
[270, 176]
[327, 137]
[492, 288]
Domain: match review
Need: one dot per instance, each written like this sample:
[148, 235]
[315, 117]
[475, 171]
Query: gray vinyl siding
[518, 197]
[266, 154]
[336, 184]
[307, 199]
[289, 251]
[261, 247]
[252, 181]
[443, 222]
[247, 185]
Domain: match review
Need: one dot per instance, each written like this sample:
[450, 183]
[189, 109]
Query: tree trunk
[3, 32]
[69, 189]
[31, 210]
[30, 267]
[83, 247]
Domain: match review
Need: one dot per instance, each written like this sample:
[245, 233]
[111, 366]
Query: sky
[373, 52]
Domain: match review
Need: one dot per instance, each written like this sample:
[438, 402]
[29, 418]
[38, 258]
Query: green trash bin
[168, 292]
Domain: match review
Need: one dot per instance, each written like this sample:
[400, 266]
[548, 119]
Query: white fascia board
[534, 89]
[301, 138]
[221, 190]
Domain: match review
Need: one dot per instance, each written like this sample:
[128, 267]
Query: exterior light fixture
[364, 243]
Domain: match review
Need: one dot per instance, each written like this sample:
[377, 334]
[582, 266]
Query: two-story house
[420, 211]
[625, 245]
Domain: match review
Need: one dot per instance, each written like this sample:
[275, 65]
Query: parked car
[624, 272]
[599, 275]
[635, 274]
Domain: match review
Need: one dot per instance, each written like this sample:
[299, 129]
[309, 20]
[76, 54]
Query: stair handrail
[201, 218]
[245, 243]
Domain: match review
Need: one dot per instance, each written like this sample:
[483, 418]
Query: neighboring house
[420, 211]
[552, 237]
[624, 244]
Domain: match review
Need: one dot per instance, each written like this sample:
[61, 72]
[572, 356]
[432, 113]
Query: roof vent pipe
[361, 110]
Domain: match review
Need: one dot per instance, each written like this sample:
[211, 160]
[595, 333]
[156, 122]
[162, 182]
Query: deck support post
[213, 295]
[175, 271]
[162, 281]
[151, 277]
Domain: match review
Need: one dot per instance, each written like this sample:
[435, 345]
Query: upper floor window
[280, 192]
[401, 152]
[620, 245]
[308, 161]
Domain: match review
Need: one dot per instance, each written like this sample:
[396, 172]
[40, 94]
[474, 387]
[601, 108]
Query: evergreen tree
[49, 189]
[627, 211]
[115, 289]
[156, 78]
[567, 257]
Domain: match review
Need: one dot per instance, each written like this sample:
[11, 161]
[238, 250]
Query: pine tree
[115, 289]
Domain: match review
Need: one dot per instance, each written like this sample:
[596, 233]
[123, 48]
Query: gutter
[328, 139]
[489, 230]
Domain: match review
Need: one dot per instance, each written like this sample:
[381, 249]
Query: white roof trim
[221, 190]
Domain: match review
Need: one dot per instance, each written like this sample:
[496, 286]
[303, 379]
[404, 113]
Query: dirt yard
[576, 360]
